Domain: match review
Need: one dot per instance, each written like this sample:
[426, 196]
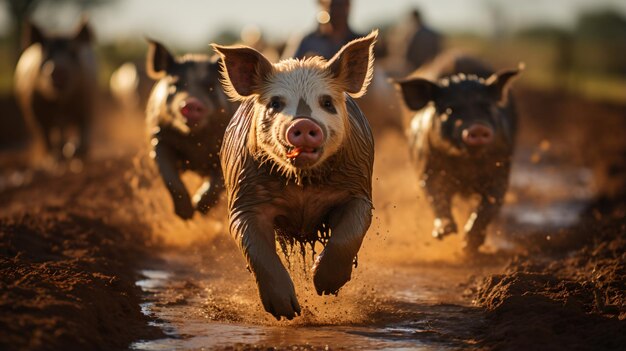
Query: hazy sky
[193, 22]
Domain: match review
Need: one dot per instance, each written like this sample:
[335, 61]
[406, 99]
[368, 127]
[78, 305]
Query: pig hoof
[473, 243]
[281, 304]
[204, 209]
[329, 275]
[186, 212]
[443, 228]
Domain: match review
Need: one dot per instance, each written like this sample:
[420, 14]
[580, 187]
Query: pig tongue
[298, 150]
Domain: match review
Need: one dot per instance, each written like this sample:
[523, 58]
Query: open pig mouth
[302, 156]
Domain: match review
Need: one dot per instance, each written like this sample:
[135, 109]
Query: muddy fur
[451, 101]
[269, 197]
[178, 145]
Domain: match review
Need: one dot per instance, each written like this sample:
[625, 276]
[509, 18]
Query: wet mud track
[419, 307]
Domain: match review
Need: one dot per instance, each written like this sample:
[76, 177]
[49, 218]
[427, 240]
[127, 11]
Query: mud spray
[405, 292]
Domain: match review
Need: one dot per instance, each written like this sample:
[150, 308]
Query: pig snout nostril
[477, 135]
[192, 108]
[304, 133]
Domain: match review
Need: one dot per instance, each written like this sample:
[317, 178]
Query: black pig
[462, 139]
[56, 86]
[186, 114]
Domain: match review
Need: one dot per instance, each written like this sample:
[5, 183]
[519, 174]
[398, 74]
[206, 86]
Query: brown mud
[92, 257]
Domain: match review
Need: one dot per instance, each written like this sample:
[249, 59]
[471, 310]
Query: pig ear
[499, 83]
[83, 33]
[32, 34]
[418, 92]
[243, 70]
[353, 65]
[159, 60]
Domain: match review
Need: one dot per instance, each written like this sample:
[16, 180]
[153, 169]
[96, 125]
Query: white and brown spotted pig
[56, 88]
[187, 113]
[297, 160]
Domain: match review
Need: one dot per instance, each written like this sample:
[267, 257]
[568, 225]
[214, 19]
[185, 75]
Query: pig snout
[305, 136]
[305, 133]
[193, 109]
[477, 135]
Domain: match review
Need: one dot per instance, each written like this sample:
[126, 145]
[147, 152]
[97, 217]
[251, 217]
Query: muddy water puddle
[409, 308]
[410, 292]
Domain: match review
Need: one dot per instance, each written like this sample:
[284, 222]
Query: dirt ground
[83, 248]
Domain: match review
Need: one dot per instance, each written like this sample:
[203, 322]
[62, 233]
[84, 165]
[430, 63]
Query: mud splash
[410, 308]
[408, 291]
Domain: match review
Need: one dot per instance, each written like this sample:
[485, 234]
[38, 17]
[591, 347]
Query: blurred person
[380, 104]
[332, 33]
[424, 43]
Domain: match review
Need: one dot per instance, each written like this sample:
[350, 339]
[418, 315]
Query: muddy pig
[297, 161]
[462, 138]
[186, 114]
[56, 85]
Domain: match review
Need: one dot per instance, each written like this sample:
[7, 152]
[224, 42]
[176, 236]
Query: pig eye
[326, 102]
[275, 105]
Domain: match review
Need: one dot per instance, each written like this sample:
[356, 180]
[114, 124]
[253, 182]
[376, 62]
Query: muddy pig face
[300, 114]
[188, 93]
[466, 110]
[62, 58]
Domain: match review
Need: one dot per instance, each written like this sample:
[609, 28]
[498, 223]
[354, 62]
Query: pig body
[130, 86]
[297, 160]
[187, 113]
[56, 86]
[461, 139]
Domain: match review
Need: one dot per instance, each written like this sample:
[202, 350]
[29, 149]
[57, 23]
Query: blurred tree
[602, 35]
[21, 10]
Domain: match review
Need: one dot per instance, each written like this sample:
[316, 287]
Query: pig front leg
[333, 267]
[440, 198]
[476, 226]
[84, 143]
[255, 236]
[166, 161]
[208, 194]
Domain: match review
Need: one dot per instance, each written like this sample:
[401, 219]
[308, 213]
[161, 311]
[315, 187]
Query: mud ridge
[67, 278]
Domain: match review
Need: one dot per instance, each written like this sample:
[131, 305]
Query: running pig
[297, 161]
[56, 87]
[186, 114]
[462, 138]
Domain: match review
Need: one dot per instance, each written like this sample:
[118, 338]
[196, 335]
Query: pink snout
[305, 133]
[193, 109]
[477, 135]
